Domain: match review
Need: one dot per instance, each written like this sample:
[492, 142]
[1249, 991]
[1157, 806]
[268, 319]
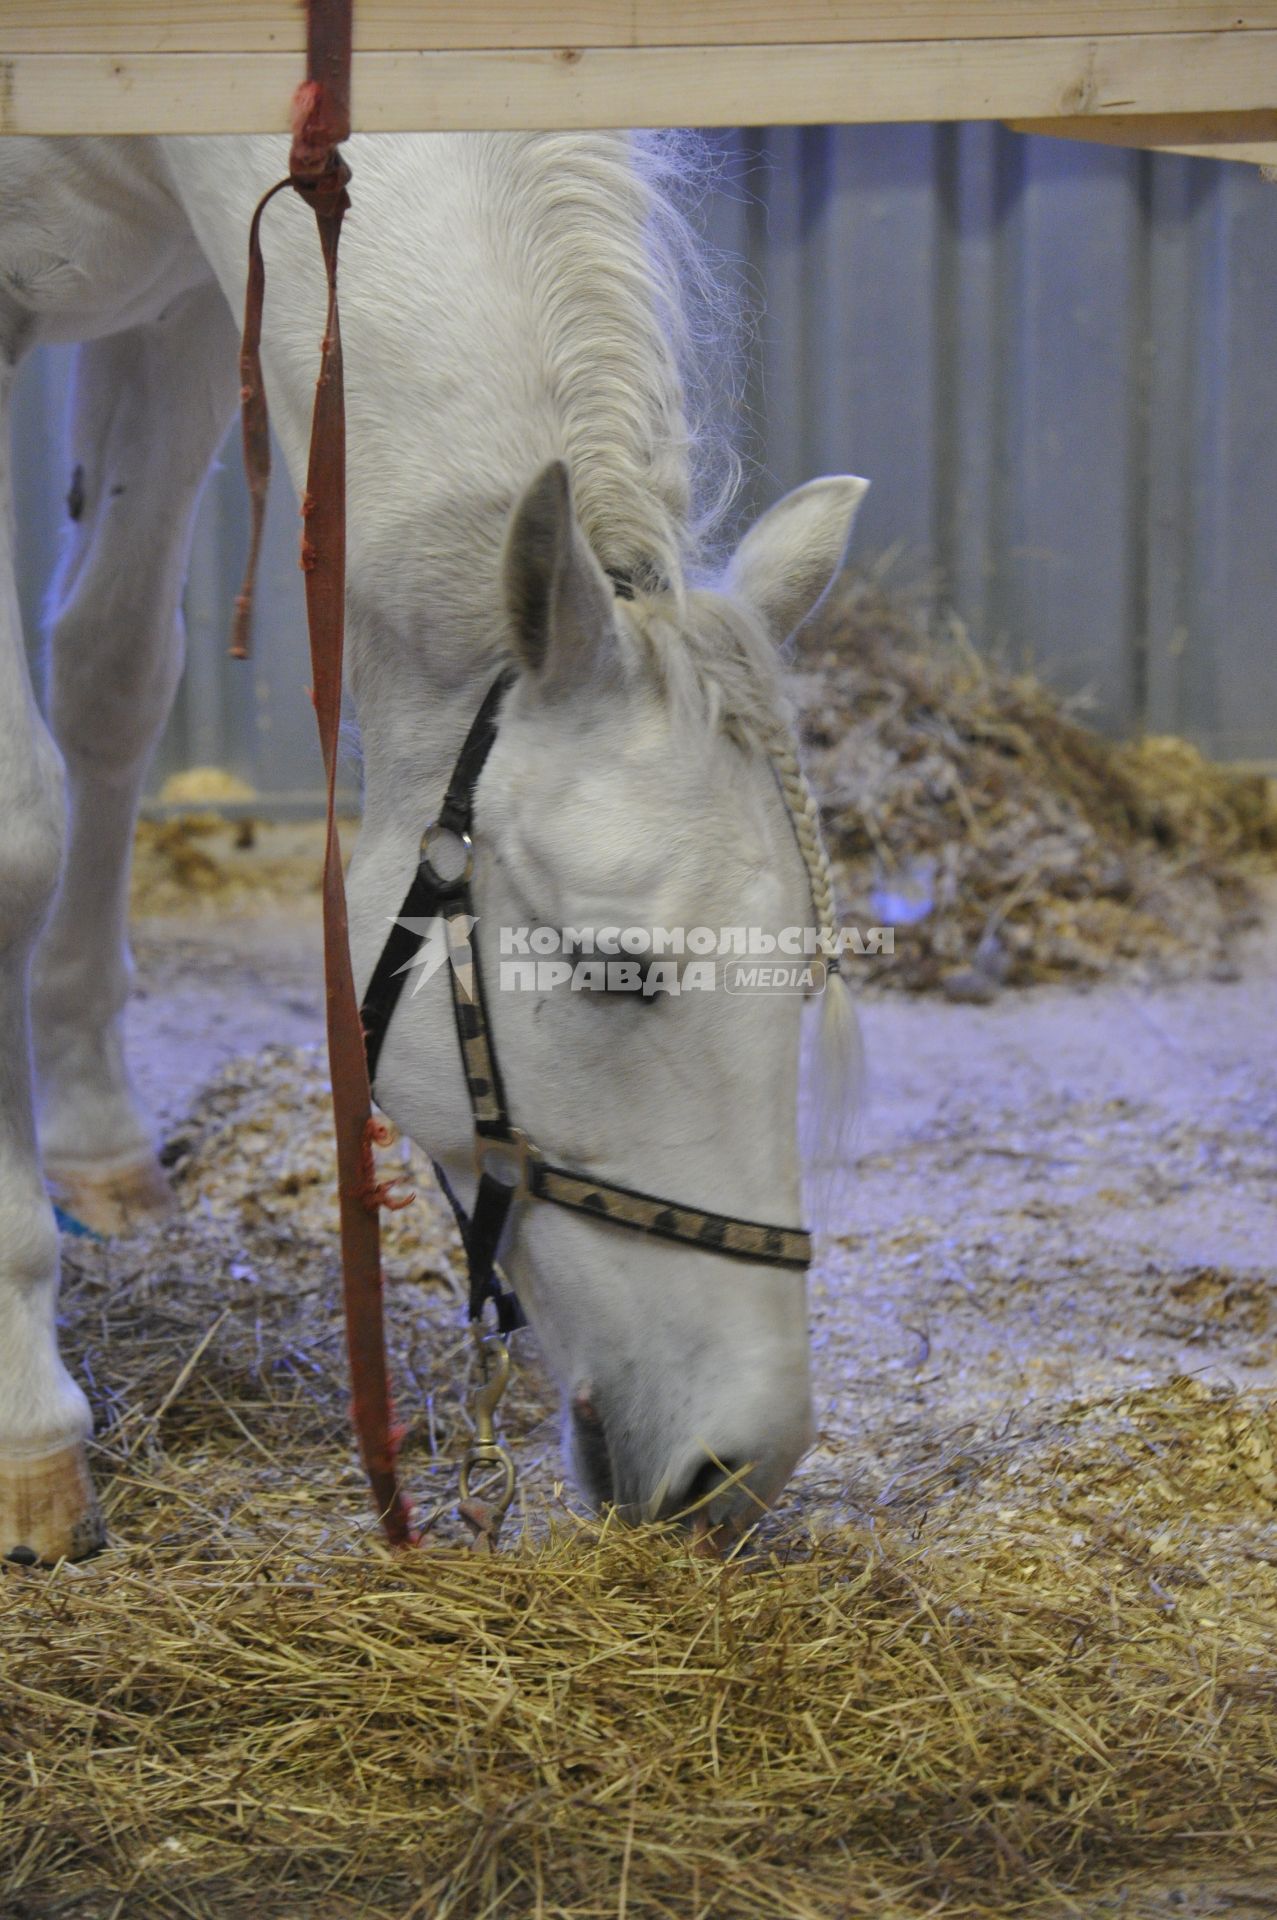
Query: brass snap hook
[486, 1454]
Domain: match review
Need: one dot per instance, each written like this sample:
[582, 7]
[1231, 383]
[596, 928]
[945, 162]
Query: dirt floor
[1068, 1218]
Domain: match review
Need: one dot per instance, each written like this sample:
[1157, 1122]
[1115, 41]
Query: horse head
[640, 837]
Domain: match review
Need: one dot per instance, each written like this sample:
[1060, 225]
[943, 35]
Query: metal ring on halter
[433, 834]
[499, 1158]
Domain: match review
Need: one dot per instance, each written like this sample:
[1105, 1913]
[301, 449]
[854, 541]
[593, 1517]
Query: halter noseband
[509, 1165]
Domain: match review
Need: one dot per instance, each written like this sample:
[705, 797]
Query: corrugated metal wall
[1055, 362]
[1057, 365]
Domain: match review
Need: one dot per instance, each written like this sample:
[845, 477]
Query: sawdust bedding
[986, 1659]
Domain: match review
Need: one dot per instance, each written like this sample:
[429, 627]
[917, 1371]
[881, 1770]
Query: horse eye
[623, 978]
[631, 984]
[644, 968]
[636, 975]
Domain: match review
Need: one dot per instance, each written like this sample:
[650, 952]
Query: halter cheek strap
[432, 897]
[508, 1164]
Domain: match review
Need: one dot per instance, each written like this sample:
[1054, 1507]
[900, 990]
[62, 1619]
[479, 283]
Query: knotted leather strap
[321, 119]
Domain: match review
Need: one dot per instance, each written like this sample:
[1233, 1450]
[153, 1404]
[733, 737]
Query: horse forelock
[714, 663]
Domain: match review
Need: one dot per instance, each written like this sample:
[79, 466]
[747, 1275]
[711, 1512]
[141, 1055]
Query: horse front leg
[46, 1500]
[149, 410]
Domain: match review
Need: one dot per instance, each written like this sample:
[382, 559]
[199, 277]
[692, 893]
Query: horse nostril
[584, 1411]
[695, 1499]
[593, 1456]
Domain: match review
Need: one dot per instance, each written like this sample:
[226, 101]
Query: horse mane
[634, 321]
[631, 316]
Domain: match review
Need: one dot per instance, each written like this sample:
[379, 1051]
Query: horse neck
[515, 317]
[414, 697]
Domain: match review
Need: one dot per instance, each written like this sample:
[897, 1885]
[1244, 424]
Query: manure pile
[1036, 1661]
[1007, 841]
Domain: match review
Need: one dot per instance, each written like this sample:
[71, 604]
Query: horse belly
[92, 240]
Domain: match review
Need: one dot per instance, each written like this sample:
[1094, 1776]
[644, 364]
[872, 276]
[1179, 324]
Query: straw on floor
[1038, 1661]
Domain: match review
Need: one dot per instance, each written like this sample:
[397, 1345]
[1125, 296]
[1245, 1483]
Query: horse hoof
[48, 1510]
[111, 1199]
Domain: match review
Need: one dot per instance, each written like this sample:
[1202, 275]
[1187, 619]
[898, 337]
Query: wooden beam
[424, 26]
[1004, 79]
[1251, 137]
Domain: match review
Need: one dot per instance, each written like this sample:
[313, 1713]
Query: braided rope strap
[804, 814]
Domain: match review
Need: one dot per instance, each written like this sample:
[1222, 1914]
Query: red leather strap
[321, 105]
[321, 118]
[254, 425]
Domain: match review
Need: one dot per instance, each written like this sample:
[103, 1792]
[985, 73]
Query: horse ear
[557, 595]
[790, 556]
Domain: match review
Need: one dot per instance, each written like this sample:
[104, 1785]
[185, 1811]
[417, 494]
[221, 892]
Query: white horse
[508, 302]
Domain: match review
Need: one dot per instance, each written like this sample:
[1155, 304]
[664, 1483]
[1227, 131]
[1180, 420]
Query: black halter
[509, 1166]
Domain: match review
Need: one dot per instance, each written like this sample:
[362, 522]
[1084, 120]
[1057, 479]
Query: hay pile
[1036, 1657]
[205, 787]
[202, 864]
[1008, 842]
[1038, 1671]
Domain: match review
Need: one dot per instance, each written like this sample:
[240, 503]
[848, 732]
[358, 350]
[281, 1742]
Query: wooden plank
[1251, 137]
[265, 26]
[663, 86]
